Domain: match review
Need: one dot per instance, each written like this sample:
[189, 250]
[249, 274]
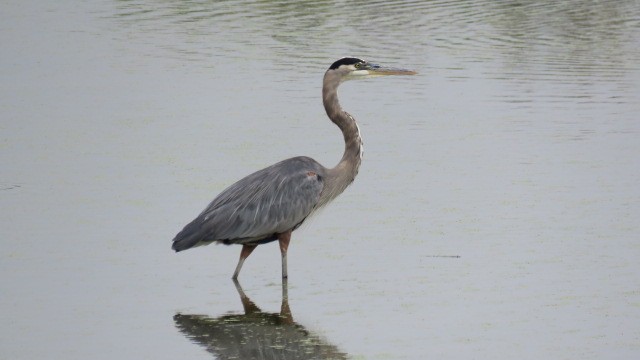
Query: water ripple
[571, 42]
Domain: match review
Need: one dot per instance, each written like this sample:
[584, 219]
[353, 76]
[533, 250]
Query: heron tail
[189, 237]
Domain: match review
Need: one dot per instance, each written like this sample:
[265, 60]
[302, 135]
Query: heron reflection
[256, 334]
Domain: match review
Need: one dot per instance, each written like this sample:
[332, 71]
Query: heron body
[270, 203]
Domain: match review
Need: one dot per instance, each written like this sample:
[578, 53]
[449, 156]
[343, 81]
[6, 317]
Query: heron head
[350, 68]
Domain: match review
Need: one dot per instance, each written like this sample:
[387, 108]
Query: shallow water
[494, 216]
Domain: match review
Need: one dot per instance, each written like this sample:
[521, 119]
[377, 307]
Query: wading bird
[269, 204]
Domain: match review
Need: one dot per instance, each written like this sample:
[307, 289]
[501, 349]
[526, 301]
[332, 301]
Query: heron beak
[378, 70]
[374, 70]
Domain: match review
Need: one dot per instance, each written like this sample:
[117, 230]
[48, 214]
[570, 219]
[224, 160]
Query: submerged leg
[285, 310]
[246, 251]
[248, 305]
[284, 239]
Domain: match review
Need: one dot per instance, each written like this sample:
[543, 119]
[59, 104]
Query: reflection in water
[256, 334]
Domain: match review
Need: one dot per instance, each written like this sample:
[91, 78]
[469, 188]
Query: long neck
[342, 174]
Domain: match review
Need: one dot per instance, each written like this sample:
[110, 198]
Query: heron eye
[358, 65]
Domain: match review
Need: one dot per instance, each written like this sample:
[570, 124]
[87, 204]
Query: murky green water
[495, 214]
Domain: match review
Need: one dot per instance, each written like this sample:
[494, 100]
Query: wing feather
[270, 201]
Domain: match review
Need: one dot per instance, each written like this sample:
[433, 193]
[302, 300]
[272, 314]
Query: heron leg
[284, 239]
[246, 251]
[285, 310]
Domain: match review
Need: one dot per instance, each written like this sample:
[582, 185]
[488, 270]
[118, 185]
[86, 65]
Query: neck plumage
[342, 174]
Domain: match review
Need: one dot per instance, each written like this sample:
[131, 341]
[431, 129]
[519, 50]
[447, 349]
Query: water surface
[494, 216]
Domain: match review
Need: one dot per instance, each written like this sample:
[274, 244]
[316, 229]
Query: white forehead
[350, 67]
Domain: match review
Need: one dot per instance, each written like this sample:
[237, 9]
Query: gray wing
[270, 201]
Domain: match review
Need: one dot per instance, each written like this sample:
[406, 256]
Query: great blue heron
[269, 204]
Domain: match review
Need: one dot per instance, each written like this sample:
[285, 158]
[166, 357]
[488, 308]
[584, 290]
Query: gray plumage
[269, 204]
[260, 206]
